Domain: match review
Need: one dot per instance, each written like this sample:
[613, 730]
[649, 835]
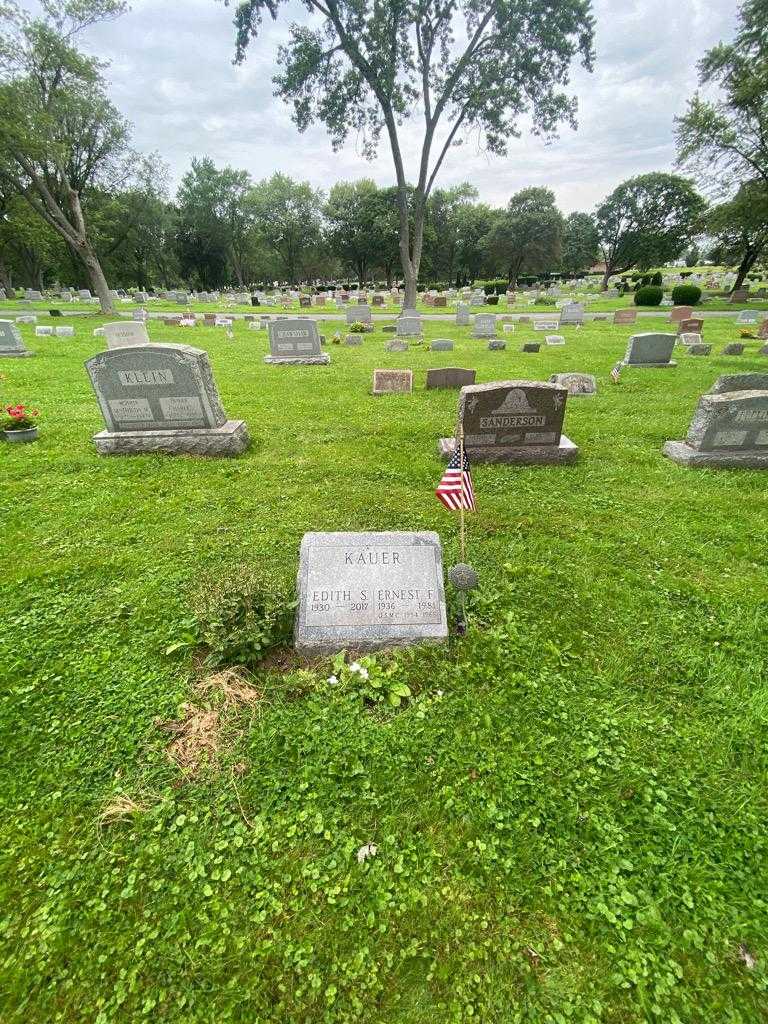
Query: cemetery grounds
[569, 809]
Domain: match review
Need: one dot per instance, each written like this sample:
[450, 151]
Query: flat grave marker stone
[389, 382]
[449, 378]
[365, 591]
[580, 385]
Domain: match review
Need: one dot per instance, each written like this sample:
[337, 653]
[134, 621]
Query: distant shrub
[686, 295]
[357, 328]
[649, 295]
[656, 279]
[492, 300]
[542, 300]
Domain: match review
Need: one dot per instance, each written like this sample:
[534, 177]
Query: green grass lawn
[570, 810]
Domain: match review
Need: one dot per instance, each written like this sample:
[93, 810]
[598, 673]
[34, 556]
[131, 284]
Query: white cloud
[171, 74]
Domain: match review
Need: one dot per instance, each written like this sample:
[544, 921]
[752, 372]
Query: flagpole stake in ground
[455, 491]
[463, 578]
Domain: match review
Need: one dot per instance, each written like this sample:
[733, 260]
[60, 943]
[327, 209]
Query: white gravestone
[126, 333]
[11, 345]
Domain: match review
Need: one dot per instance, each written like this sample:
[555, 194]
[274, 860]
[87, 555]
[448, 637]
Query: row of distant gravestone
[164, 398]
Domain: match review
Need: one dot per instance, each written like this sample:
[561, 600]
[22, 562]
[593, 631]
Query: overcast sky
[171, 74]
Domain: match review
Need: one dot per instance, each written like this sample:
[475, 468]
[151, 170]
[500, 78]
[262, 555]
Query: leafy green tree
[476, 67]
[354, 225]
[647, 221]
[739, 229]
[528, 234]
[456, 224]
[60, 137]
[580, 243]
[287, 216]
[29, 249]
[203, 236]
[726, 138]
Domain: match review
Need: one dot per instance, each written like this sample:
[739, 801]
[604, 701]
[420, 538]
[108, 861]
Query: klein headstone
[295, 342]
[513, 421]
[11, 345]
[125, 333]
[386, 382]
[578, 384]
[650, 350]
[729, 430]
[161, 398]
[450, 378]
[365, 591]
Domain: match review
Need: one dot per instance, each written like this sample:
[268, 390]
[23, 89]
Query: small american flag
[616, 373]
[450, 490]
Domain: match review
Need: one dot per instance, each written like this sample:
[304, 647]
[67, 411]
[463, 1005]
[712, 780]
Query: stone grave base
[684, 455]
[530, 455]
[651, 366]
[229, 439]
[321, 360]
[15, 355]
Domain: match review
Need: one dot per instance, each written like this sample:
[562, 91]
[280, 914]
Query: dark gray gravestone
[442, 345]
[698, 350]
[295, 341]
[734, 349]
[365, 591]
[389, 329]
[515, 421]
[496, 346]
[387, 382]
[11, 345]
[531, 346]
[578, 384]
[484, 326]
[161, 398]
[740, 382]
[650, 350]
[451, 377]
[728, 430]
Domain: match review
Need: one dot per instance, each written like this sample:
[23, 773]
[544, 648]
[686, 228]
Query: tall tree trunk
[606, 278]
[6, 282]
[748, 261]
[96, 276]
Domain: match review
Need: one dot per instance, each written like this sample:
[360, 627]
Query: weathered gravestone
[462, 315]
[161, 398]
[496, 345]
[440, 301]
[43, 331]
[554, 339]
[579, 384]
[740, 295]
[650, 350]
[625, 316]
[442, 345]
[691, 325]
[64, 332]
[125, 333]
[740, 382]
[762, 331]
[698, 350]
[531, 346]
[484, 326]
[353, 340]
[386, 382]
[295, 342]
[729, 430]
[680, 313]
[396, 346]
[735, 348]
[408, 326]
[571, 313]
[11, 345]
[359, 314]
[364, 591]
[689, 339]
[546, 324]
[451, 378]
[305, 301]
[513, 421]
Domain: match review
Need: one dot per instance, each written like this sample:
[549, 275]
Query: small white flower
[439, 693]
[355, 666]
[363, 673]
[333, 681]
[369, 850]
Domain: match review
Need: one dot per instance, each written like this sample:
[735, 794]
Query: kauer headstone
[161, 398]
[365, 591]
[729, 430]
[296, 342]
[650, 350]
[513, 421]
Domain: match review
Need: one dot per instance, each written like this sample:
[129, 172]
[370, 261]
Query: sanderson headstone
[451, 378]
[513, 421]
[578, 384]
[161, 398]
[295, 342]
[387, 382]
[729, 430]
[125, 334]
[365, 591]
[650, 350]
[11, 345]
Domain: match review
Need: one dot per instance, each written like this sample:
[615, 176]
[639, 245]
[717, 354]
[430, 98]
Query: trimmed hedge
[649, 295]
[686, 295]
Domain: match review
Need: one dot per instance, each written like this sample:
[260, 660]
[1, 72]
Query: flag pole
[461, 510]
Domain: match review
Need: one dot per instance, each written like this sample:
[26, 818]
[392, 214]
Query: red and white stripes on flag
[453, 494]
